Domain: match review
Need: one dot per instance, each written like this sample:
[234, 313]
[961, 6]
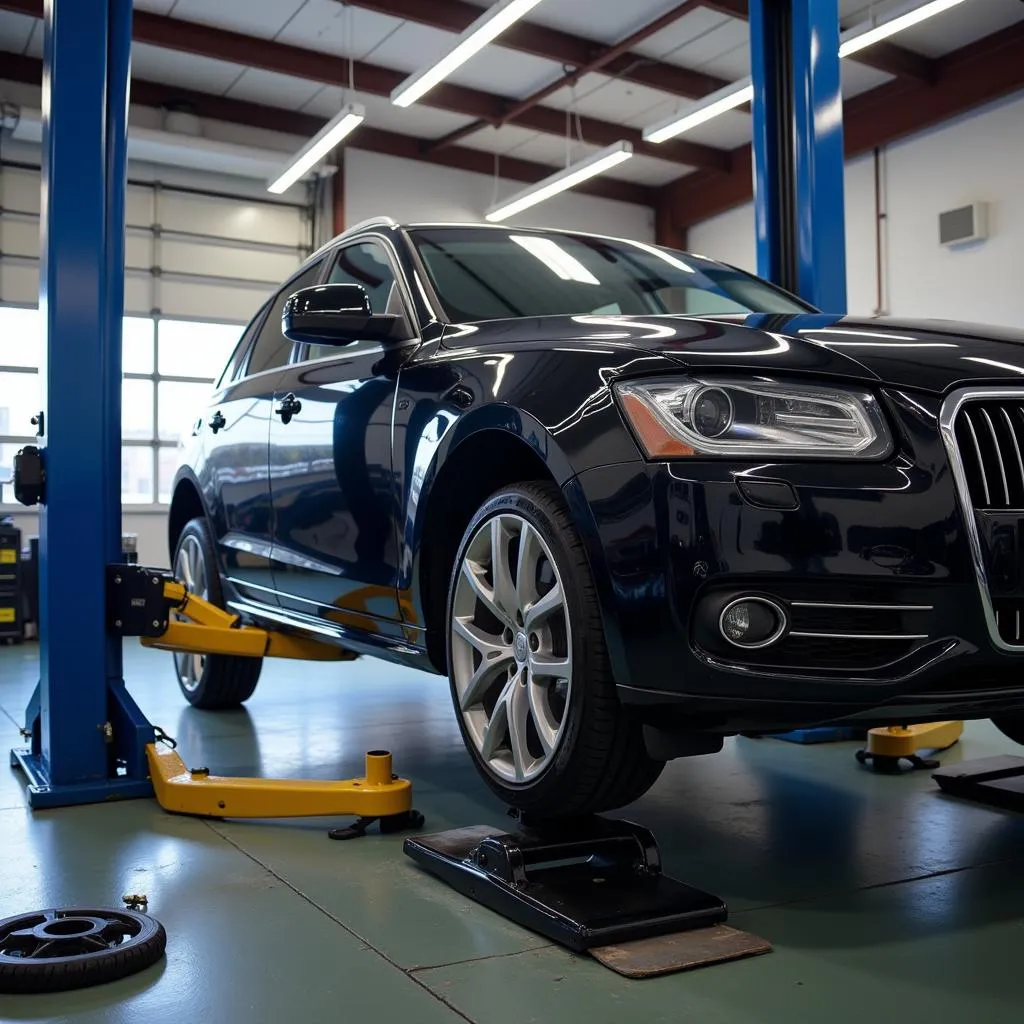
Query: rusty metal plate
[680, 951]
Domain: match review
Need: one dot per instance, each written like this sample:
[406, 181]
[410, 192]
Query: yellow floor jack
[154, 606]
[889, 746]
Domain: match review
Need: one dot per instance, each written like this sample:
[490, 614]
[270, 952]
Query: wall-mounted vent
[964, 224]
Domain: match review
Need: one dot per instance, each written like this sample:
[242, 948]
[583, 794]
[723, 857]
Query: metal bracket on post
[87, 737]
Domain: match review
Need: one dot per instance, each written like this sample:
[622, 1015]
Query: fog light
[752, 622]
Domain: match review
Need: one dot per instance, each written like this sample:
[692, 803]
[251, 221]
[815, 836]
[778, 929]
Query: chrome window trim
[951, 406]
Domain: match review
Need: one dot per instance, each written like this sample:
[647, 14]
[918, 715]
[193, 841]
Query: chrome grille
[990, 439]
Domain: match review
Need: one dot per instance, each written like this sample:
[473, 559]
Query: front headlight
[758, 418]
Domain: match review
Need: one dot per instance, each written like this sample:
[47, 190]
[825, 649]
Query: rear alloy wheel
[528, 665]
[211, 681]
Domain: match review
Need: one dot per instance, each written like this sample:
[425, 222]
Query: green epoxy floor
[883, 898]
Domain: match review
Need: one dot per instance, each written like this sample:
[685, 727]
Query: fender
[435, 443]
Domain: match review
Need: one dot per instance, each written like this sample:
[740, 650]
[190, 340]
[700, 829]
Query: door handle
[217, 421]
[289, 407]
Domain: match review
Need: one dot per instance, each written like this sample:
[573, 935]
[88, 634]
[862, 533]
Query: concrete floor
[880, 895]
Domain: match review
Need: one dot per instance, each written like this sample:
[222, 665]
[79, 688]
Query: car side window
[272, 348]
[366, 264]
[236, 362]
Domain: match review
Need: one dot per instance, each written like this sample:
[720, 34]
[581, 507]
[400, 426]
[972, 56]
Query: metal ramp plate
[680, 951]
[585, 884]
[998, 781]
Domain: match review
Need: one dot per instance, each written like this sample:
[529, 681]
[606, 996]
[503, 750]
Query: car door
[237, 427]
[335, 523]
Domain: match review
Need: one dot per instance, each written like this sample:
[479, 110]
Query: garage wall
[976, 158]
[201, 248]
[407, 190]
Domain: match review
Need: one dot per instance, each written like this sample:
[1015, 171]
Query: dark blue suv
[629, 500]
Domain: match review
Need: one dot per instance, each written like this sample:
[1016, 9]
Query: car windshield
[493, 273]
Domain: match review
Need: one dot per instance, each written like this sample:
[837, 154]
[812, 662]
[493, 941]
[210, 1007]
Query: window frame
[300, 350]
[243, 369]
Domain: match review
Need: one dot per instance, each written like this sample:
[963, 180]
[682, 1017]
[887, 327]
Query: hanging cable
[497, 179]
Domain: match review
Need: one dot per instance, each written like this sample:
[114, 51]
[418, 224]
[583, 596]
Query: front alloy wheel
[530, 679]
[511, 648]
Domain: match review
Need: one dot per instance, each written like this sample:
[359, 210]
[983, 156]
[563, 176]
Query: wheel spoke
[530, 552]
[489, 645]
[518, 710]
[474, 577]
[199, 575]
[551, 666]
[543, 607]
[501, 571]
[185, 568]
[543, 718]
[497, 727]
[22, 941]
[482, 679]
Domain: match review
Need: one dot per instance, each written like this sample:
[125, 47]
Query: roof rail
[370, 222]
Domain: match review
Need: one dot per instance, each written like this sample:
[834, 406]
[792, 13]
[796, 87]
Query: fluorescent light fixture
[863, 36]
[561, 263]
[852, 41]
[729, 97]
[484, 30]
[596, 163]
[342, 124]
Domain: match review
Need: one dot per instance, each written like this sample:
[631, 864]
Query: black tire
[76, 963]
[224, 681]
[1011, 726]
[601, 762]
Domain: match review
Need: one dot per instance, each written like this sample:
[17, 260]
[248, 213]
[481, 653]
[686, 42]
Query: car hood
[928, 355]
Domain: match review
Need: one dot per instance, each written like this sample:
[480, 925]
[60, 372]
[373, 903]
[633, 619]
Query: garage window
[169, 368]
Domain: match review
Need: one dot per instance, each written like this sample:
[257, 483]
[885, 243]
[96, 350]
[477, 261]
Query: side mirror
[335, 314]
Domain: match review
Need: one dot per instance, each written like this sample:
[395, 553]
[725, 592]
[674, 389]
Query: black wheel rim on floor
[60, 949]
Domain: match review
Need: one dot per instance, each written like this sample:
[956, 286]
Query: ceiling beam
[600, 60]
[976, 74]
[884, 56]
[328, 69]
[540, 41]
[17, 68]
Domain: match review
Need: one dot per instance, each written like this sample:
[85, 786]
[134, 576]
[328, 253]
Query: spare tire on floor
[73, 947]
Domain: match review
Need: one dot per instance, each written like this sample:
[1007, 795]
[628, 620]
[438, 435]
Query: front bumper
[873, 567]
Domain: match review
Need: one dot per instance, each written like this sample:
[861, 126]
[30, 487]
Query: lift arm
[154, 606]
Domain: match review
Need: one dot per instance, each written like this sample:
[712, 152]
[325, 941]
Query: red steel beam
[597, 63]
[18, 68]
[970, 77]
[541, 41]
[884, 56]
[600, 61]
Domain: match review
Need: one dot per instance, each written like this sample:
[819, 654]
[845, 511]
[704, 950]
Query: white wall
[978, 157]
[377, 185]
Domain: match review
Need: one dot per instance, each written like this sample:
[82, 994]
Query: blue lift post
[87, 735]
[798, 148]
